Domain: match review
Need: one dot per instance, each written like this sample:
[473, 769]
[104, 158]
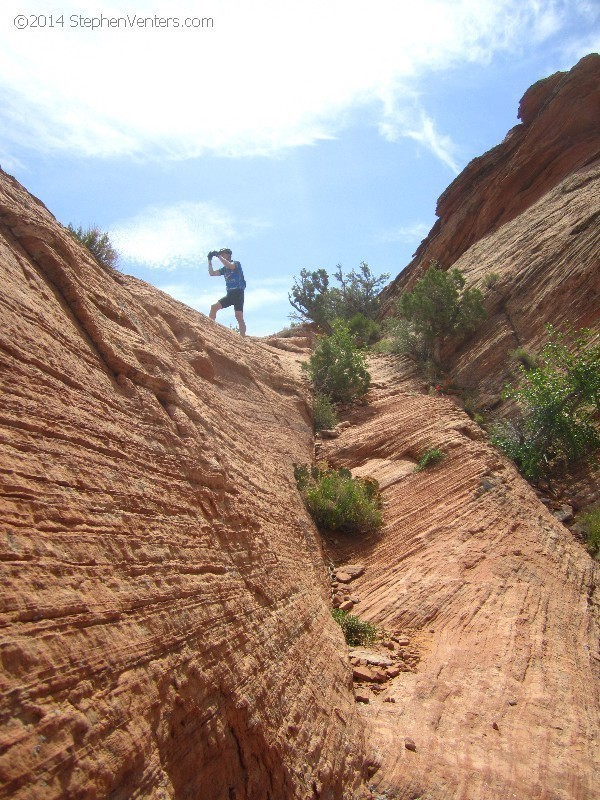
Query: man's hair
[225, 250]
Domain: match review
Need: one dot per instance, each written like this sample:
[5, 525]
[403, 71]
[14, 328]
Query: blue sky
[300, 134]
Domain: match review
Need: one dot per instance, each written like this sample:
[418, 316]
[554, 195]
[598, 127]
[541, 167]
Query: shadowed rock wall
[165, 625]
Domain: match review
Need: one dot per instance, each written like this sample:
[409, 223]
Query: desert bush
[98, 243]
[356, 632]
[558, 402]
[358, 292]
[430, 457]
[324, 413]
[383, 345]
[490, 280]
[289, 331]
[364, 330]
[337, 501]
[470, 401]
[438, 307]
[589, 521]
[310, 298]
[525, 358]
[315, 300]
[337, 368]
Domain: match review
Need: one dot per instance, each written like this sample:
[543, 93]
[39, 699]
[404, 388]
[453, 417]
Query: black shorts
[233, 298]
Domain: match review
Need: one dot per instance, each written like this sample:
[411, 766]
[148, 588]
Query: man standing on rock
[234, 282]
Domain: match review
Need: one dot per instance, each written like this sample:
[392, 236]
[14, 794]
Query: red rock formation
[558, 136]
[166, 630]
[490, 607]
[527, 211]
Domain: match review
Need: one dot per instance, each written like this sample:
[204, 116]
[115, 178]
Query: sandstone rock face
[547, 263]
[166, 630]
[166, 626]
[491, 606]
[529, 212]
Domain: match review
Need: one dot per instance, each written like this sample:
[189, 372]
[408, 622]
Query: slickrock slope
[166, 630]
[529, 211]
[494, 609]
[547, 263]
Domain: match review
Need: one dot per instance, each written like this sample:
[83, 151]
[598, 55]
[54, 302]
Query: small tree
[438, 307]
[558, 402]
[337, 367]
[310, 298]
[98, 243]
[315, 300]
[359, 291]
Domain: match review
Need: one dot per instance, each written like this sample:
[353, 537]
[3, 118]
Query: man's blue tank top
[234, 278]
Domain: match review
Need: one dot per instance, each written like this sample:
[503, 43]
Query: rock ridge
[490, 604]
[522, 225]
[157, 562]
[557, 136]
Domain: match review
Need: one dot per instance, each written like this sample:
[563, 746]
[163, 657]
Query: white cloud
[406, 233]
[261, 297]
[266, 305]
[180, 235]
[10, 163]
[576, 48]
[421, 128]
[269, 75]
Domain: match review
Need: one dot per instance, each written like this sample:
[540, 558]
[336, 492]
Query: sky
[301, 134]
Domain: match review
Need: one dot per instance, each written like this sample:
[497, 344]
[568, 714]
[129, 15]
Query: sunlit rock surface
[490, 605]
[166, 630]
[522, 223]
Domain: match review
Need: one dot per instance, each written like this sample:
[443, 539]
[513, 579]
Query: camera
[212, 254]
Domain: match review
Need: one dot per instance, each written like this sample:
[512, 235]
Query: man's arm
[211, 271]
[227, 264]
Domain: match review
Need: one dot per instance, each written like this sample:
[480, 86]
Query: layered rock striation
[488, 684]
[166, 626]
[166, 630]
[522, 222]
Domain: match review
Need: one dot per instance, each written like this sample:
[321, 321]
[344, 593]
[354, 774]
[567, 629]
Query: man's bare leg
[213, 310]
[239, 315]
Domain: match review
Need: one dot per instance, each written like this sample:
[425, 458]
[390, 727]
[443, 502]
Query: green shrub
[356, 632]
[98, 243]
[289, 331]
[358, 292]
[384, 346]
[430, 457]
[324, 414]
[337, 501]
[337, 368]
[558, 404]
[364, 330]
[490, 280]
[525, 358]
[438, 307]
[470, 402]
[314, 300]
[590, 523]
